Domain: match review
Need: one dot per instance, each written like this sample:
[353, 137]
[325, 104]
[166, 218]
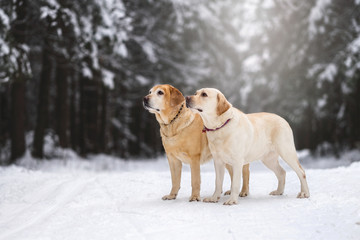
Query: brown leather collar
[176, 116]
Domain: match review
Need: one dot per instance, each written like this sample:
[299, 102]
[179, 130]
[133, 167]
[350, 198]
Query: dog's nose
[146, 100]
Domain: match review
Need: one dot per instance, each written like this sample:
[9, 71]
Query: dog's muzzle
[147, 106]
[146, 102]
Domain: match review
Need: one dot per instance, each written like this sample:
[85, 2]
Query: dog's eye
[204, 94]
[160, 93]
[149, 92]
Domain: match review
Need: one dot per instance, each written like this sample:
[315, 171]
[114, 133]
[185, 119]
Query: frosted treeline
[299, 59]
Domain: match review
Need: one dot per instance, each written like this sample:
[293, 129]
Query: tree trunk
[62, 103]
[18, 88]
[89, 117]
[18, 119]
[4, 122]
[74, 128]
[102, 127]
[82, 118]
[43, 106]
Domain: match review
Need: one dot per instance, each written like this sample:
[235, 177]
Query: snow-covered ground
[107, 198]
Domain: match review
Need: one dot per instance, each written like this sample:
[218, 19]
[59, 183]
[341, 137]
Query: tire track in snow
[41, 193]
[67, 190]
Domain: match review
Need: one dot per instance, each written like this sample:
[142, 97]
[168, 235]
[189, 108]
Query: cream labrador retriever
[236, 139]
[182, 138]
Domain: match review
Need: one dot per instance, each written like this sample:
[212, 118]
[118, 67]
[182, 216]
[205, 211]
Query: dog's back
[271, 132]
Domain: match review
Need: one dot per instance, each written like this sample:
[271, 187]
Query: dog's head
[162, 98]
[208, 101]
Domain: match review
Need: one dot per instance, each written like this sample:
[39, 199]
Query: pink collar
[205, 129]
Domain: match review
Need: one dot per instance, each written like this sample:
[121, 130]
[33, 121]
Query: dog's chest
[184, 157]
[218, 149]
[170, 143]
[226, 147]
[177, 148]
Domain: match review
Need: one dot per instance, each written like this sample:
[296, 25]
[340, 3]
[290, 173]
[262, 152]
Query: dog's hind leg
[229, 169]
[290, 157]
[271, 161]
[287, 151]
[245, 176]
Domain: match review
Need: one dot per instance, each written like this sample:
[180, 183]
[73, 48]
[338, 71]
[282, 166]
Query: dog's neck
[166, 118]
[214, 121]
[184, 119]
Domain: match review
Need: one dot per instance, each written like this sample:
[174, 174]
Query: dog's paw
[244, 194]
[276, 193]
[169, 197]
[194, 198]
[303, 195]
[211, 199]
[231, 202]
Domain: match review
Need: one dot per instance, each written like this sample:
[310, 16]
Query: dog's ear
[176, 97]
[222, 104]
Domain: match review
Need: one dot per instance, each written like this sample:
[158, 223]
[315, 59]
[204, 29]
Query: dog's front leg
[175, 169]
[245, 176]
[235, 184]
[195, 180]
[219, 171]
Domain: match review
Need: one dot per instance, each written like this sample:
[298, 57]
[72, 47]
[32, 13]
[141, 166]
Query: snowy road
[78, 204]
